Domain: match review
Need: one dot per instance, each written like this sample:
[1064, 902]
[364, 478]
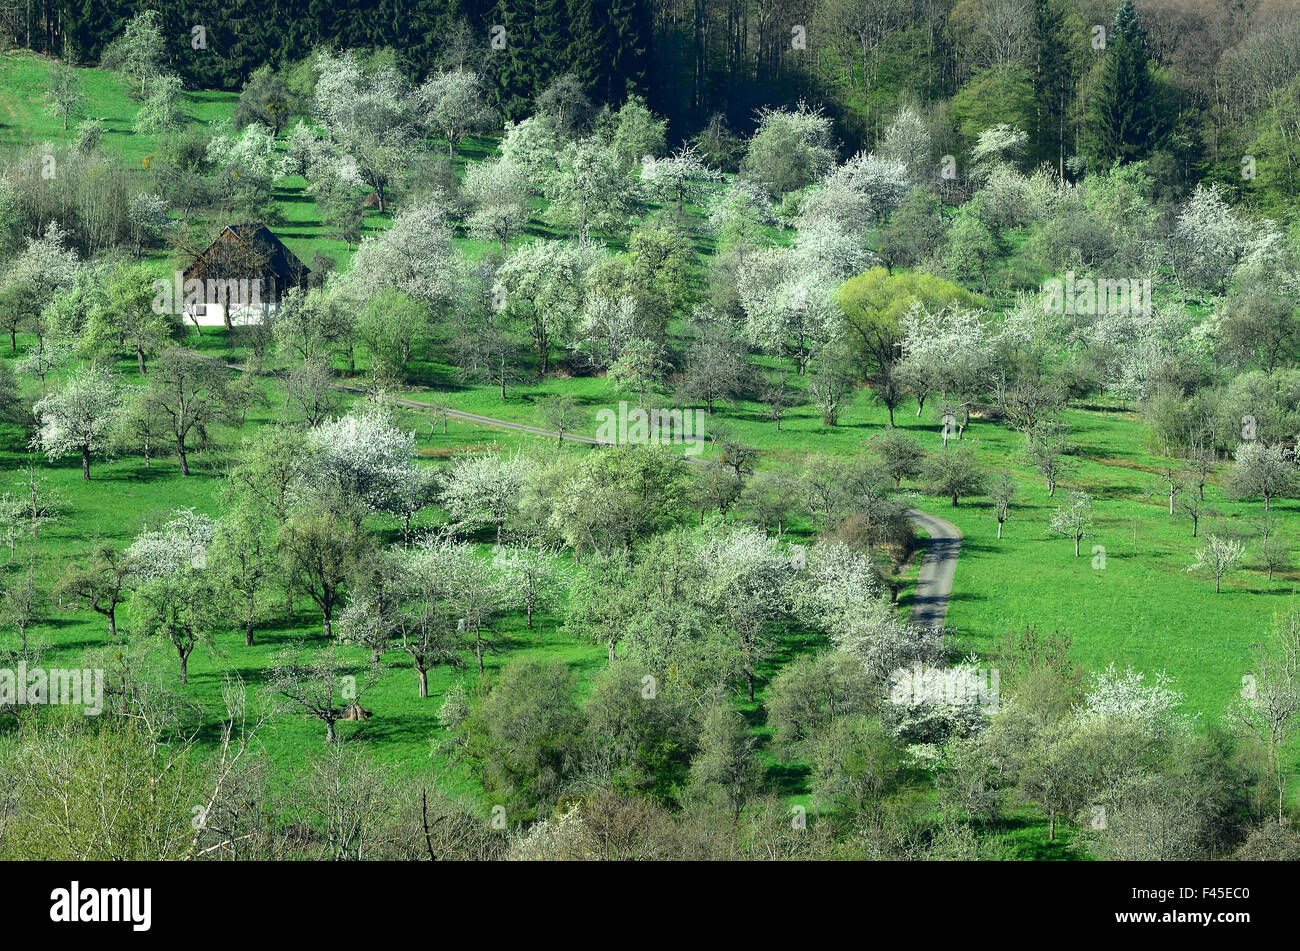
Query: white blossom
[1132, 695]
[180, 545]
[366, 456]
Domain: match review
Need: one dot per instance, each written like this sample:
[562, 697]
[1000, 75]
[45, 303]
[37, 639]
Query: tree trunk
[999, 529]
[85, 464]
[424, 681]
[139, 359]
[185, 667]
[248, 634]
[330, 735]
[1076, 546]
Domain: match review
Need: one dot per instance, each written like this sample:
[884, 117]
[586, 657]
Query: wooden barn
[240, 277]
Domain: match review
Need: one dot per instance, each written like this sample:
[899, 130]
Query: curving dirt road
[934, 580]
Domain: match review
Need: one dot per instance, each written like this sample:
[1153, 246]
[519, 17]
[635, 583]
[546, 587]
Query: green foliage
[627, 506]
[524, 734]
[1000, 94]
[855, 765]
[873, 305]
[1123, 120]
[84, 798]
[639, 734]
[725, 770]
[1276, 155]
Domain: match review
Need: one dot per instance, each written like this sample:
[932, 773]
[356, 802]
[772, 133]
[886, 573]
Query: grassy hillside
[1144, 608]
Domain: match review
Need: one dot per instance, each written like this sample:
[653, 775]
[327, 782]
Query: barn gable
[245, 270]
[248, 251]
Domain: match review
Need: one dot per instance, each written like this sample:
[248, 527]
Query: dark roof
[280, 261]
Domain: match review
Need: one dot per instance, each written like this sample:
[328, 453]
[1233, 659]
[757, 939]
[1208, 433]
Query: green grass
[123, 497]
[25, 121]
[1142, 609]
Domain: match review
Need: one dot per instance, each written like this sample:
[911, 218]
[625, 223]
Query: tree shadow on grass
[306, 229]
[1117, 493]
[1259, 589]
[58, 623]
[787, 779]
[69, 648]
[138, 475]
[1028, 840]
[436, 378]
[1099, 408]
[404, 730]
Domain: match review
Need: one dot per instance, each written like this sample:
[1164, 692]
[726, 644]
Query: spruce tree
[537, 42]
[89, 26]
[551, 40]
[609, 47]
[1053, 81]
[512, 66]
[591, 31]
[626, 43]
[1121, 121]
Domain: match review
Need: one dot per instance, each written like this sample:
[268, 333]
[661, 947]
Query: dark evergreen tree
[608, 53]
[1121, 123]
[89, 25]
[1054, 76]
[537, 43]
